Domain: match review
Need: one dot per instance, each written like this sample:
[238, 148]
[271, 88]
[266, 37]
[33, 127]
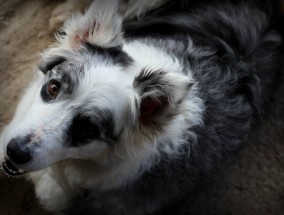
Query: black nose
[18, 151]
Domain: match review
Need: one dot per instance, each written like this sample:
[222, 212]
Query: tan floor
[254, 184]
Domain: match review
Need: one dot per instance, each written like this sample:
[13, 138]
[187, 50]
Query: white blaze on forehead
[106, 88]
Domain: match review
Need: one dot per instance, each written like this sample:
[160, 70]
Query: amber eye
[53, 88]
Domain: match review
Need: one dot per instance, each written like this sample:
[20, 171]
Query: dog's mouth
[10, 169]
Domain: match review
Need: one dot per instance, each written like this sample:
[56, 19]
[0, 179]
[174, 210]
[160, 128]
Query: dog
[128, 117]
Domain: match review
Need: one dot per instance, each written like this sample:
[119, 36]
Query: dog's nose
[18, 151]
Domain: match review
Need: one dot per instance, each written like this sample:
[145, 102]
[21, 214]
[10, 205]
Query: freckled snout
[18, 151]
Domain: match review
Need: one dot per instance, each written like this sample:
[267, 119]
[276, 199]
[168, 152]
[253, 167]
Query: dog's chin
[10, 169]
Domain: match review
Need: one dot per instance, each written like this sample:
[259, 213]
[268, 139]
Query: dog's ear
[100, 25]
[159, 96]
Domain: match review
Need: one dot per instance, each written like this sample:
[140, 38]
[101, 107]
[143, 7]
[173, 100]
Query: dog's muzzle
[18, 154]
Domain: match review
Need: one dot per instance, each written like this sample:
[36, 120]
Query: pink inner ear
[151, 107]
[83, 38]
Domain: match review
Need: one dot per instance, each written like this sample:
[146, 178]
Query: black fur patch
[85, 129]
[115, 54]
[148, 80]
[50, 63]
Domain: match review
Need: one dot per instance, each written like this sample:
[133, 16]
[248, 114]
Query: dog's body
[128, 123]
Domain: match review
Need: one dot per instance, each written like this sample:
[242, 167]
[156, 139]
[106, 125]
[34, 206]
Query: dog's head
[90, 100]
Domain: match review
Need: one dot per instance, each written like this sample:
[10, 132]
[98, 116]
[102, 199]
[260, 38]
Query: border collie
[127, 117]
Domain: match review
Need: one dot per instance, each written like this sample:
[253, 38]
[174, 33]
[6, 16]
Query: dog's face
[89, 99]
[79, 109]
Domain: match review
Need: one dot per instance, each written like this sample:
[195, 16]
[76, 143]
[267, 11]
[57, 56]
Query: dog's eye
[53, 88]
